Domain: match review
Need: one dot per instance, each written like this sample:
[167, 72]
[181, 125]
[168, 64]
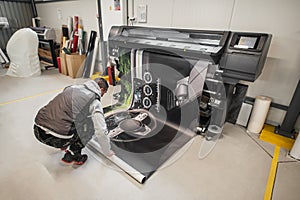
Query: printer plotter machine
[223, 57]
[170, 80]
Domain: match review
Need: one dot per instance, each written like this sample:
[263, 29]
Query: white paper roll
[95, 53]
[259, 114]
[70, 25]
[295, 152]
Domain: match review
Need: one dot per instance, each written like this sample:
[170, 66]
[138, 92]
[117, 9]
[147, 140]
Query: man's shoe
[68, 158]
[74, 159]
[80, 159]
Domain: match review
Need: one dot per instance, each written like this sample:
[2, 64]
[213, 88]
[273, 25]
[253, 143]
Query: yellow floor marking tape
[98, 75]
[272, 174]
[268, 135]
[29, 97]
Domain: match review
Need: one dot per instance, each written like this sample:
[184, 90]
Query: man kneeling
[71, 119]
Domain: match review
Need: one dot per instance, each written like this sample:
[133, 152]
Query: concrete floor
[237, 168]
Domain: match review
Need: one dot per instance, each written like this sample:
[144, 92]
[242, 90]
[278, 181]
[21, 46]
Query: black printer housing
[244, 56]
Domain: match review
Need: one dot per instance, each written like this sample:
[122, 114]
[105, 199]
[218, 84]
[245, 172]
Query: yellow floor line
[30, 97]
[272, 174]
[268, 135]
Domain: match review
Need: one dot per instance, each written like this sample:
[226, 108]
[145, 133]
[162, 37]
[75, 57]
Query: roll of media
[259, 114]
[121, 164]
[89, 55]
[75, 24]
[95, 52]
[70, 26]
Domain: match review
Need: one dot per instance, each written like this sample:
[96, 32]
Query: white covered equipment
[22, 49]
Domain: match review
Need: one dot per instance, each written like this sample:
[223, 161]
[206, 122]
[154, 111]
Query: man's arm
[100, 127]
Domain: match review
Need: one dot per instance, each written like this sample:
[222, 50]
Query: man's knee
[48, 139]
[39, 133]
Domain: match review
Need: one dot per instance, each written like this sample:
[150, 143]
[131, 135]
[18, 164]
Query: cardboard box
[63, 64]
[75, 64]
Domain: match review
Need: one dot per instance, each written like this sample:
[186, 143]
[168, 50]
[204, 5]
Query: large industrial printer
[175, 83]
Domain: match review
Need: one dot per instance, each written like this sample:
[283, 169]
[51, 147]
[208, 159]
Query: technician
[71, 119]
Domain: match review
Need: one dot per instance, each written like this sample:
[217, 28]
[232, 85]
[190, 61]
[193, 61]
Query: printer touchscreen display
[246, 42]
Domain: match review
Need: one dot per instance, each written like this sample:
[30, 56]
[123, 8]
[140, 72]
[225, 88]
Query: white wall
[282, 69]
[87, 12]
[203, 14]
[111, 16]
[85, 9]
[280, 18]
